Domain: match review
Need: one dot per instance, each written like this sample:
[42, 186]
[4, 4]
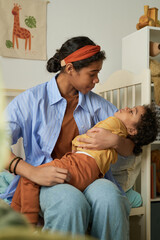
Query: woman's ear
[132, 131]
[69, 68]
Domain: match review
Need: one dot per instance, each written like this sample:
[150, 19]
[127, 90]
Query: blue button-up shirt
[36, 115]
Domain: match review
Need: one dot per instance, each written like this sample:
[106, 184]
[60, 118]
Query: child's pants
[83, 170]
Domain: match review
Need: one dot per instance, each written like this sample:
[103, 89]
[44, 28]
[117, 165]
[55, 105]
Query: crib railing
[123, 88]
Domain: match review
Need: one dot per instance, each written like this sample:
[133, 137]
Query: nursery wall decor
[23, 29]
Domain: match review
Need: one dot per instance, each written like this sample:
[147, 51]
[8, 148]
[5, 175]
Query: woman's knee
[104, 192]
[64, 197]
[102, 187]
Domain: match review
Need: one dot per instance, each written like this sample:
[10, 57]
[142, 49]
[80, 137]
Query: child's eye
[92, 75]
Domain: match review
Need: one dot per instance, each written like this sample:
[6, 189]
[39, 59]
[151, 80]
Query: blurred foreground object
[10, 219]
[4, 140]
[150, 18]
[22, 234]
[13, 226]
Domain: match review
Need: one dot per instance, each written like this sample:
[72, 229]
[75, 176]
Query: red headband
[82, 53]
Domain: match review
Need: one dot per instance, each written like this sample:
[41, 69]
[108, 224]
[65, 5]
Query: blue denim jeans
[101, 206]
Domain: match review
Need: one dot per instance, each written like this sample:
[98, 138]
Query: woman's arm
[44, 176]
[101, 138]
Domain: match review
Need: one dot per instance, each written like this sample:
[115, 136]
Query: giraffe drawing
[19, 32]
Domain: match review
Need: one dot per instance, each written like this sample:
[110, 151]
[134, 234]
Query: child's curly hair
[147, 129]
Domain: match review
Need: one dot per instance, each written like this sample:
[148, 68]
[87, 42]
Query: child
[85, 166]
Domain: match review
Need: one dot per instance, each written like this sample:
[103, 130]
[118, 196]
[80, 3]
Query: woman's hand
[49, 175]
[100, 139]
[42, 175]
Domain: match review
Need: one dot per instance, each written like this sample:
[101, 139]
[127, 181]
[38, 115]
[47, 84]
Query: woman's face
[85, 79]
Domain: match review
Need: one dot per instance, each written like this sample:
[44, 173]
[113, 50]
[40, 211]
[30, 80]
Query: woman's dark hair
[70, 46]
[147, 129]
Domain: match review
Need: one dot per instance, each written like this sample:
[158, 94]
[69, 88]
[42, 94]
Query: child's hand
[101, 139]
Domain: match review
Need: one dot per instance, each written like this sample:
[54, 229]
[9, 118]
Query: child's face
[130, 117]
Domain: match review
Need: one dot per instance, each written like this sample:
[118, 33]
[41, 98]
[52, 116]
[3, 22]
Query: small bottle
[154, 49]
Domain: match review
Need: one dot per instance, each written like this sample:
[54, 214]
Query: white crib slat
[118, 98]
[105, 95]
[125, 97]
[111, 96]
[133, 95]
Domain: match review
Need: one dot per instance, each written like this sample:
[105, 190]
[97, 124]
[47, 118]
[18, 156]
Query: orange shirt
[69, 129]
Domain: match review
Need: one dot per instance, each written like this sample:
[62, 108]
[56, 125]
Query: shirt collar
[82, 101]
[56, 97]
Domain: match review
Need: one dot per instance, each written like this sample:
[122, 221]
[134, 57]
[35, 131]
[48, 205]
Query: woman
[48, 117]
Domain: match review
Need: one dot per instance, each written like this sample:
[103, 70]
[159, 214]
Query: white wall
[105, 21]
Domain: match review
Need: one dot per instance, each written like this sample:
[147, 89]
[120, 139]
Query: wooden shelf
[157, 199]
[156, 142]
[137, 211]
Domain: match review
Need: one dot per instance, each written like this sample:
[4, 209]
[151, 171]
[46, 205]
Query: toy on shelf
[154, 48]
[150, 18]
[154, 66]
